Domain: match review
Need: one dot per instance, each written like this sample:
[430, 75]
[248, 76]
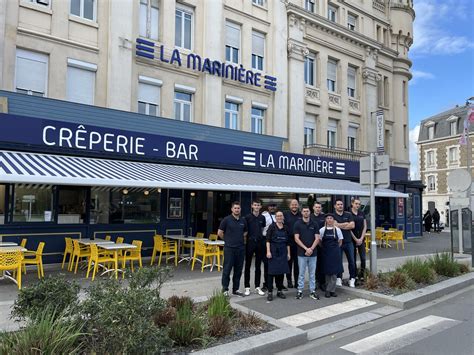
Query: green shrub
[187, 328]
[219, 305]
[49, 332]
[219, 326]
[53, 293]
[401, 281]
[419, 271]
[120, 318]
[444, 265]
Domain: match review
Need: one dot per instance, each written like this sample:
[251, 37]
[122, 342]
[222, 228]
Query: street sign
[382, 171]
[380, 126]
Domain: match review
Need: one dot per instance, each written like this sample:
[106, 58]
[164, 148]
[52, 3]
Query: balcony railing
[334, 152]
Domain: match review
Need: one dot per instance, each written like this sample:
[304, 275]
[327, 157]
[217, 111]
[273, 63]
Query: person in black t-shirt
[291, 217]
[346, 223]
[319, 217]
[255, 245]
[233, 229]
[359, 236]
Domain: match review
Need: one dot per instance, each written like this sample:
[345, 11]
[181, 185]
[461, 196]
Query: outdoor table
[179, 239]
[95, 241]
[6, 273]
[8, 244]
[115, 248]
[217, 243]
[385, 236]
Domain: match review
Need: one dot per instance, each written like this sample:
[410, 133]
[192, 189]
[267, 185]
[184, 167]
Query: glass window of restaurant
[72, 204]
[2, 204]
[32, 203]
[134, 206]
[281, 199]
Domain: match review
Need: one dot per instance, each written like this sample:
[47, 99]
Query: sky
[443, 62]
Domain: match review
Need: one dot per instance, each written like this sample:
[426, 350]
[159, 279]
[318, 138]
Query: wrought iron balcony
[334, 152]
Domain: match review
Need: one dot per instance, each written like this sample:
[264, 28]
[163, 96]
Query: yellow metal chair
[189, 245]
[78, 253]
[162, 246]
[133, 254]
[215, 237]
[206, 251]
[119, 240]
[68, 250]
[11, 261]
[34, 258]
[108, 238]
[23, 243]
[397, 236]
[98, 258]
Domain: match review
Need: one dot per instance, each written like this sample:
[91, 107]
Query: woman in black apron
[278, 254]
[331, 253]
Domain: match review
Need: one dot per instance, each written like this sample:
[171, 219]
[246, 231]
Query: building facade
[440, 152]
[280, 87]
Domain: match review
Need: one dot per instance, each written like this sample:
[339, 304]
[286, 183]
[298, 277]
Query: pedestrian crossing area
[401, 336]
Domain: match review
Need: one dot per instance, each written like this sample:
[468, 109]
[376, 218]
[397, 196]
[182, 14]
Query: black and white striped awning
[43, 169]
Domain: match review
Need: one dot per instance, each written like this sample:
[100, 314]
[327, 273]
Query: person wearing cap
[269, 215]
[331, 242]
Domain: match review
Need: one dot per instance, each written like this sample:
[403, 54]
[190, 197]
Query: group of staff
[290, 243]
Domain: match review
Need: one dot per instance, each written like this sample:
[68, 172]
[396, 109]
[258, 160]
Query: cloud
[413, 137]
[420, 75]
[431, 32]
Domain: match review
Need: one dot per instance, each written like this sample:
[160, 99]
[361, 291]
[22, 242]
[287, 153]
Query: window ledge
[260, 6]
[36, 7]
[83, 21]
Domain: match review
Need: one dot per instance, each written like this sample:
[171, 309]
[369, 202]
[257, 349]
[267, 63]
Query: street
[445, 326]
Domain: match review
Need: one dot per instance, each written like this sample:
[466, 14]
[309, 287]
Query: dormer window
[453, 125]
[431, 132]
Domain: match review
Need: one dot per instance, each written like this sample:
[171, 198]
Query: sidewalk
[201, 285]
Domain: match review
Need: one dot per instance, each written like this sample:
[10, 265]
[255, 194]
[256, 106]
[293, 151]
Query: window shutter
[258, 43]
[351, 77]
[31, 74]
[232, 35]
[80, 85]
[332, 125]
[149, 93]
[352, 132]
[332, 68]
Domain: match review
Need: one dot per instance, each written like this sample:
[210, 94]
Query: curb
[415, 298]
[284, 338]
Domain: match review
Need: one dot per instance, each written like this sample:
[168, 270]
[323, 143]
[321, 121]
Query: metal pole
[460, 235]
[373, 242]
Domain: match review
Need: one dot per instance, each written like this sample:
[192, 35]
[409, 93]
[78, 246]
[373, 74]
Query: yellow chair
[78, 253]
[34, 258]
[23, 243]
[98, 258]
[133, 254]
[11, 261]
[108, 238]
[69, 248]
[397, 236]
[162, 246]
[215, 237]
[206, 251]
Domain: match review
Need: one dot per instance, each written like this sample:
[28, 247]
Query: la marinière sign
[148, 49]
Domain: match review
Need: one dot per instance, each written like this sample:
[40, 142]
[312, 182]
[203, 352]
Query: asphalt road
[444, 326]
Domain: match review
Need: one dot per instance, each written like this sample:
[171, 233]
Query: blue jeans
[348, 249]
[310, 263]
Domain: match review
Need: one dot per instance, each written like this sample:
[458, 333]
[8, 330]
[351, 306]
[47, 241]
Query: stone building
[440, 153]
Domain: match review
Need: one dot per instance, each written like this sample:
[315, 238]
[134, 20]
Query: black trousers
[436, 226]
[361, 250]
[320, 277]
[233, 259]
[278, 280]
[293, 264]
[258, 249]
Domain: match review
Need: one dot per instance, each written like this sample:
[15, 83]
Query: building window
[309, 130]
[351, 81]
[431, 130]
[183, 28]
[83, 8]
[351, 22]
[309, 5]
[232, 42]
[430, 159]
[453, 126]
[81, 81]
[332, 75]
[149, 18]
[149, 98]
[332, 13]
[40, 2]
[431, 182]
[32, 203]
[404, 93]
[72, 204]
[2, 204]
[231, 115]
[141, 206]
[31, 75]
[332, 133]
[183, 106]
[453, 155]
[378, 31]
[258, 115]
[386, 91]
[258, 2]
[352, 138]
[258, 50]
[309, 70]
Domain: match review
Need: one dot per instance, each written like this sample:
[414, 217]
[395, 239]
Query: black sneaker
[290, 284]
[314, 296]
[333, 294]
[284, 288]
[238, 293]
[299, 295]
[281, 295]
[264, 288]
[270, 296]
[327, 294]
